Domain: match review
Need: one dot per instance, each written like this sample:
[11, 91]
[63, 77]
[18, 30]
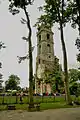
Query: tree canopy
[12, 83]
[74, 75]
[74, 8]
[74, 78]
[1, 46]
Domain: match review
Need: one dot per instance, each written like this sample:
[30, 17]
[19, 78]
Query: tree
[12, 83]
[1, 82]
[1, 46]
[56, 12]
[14, 8]
[54, 77]
[74, 76]
[78, 14]
[74, 8]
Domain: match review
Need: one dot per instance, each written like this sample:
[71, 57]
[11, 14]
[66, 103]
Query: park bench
[11, 107]
[35, 105]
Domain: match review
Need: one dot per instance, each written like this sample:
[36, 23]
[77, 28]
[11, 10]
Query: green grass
[12, 99]
[46, 106]
[46, 102]
[43, 106]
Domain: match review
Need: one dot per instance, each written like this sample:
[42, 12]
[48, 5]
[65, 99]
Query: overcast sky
[11, 31]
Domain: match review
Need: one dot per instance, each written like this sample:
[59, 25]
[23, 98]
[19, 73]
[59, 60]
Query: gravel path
[56, 114]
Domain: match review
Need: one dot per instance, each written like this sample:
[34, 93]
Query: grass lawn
[43, 106]
[45, 99]
[46, 102]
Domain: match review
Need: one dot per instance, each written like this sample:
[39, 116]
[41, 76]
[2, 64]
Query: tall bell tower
[45, 56]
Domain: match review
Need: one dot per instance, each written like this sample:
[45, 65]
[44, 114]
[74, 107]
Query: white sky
[11, 31]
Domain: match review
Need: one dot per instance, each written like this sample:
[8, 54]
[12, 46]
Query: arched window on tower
[39, 49]
[39, 61]
[48, 36]
[39, 38]
[49, 49]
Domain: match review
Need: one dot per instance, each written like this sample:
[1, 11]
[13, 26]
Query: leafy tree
[74, 76]
[54, 77]
[74, 8]
[14, 8]
[56, 12]
[1, 46]
[78, 89]
[1, 82]
[73, 88]
[53, 88]
[78, 13]
[1, 76]
[12, 83]
[18, 88]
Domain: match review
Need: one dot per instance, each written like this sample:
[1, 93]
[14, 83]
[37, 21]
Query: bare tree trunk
[61, 19]
[68, 99]
[30, 59]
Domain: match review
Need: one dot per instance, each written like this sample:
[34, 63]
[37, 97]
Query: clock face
[40, 71]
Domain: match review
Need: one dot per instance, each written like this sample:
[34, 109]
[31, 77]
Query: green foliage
[15, 5]
[54, 78]
[1, 46]
[54, 88]
[78, 90]
[74, 7]
[1, 76]
[74, 76]
[78, 47]
[75, 89]
[52, 9]
[12, 83]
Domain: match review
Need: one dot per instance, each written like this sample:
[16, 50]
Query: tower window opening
[39, 83]
[49, 49]
[39, 61]
[38, 28]
[48, 36]
[39, 37]
[39, 49]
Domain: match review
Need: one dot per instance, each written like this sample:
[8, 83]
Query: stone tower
[45, 58]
